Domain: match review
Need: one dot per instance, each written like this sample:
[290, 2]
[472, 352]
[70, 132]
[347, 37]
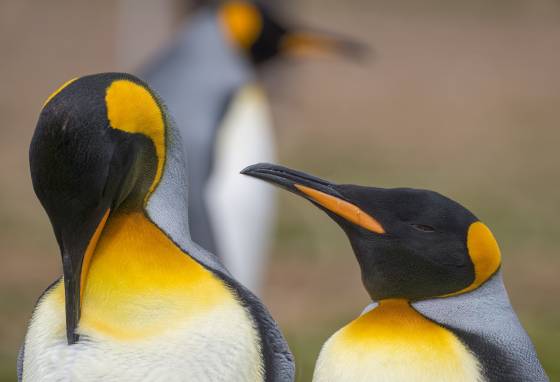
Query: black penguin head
[411, 244]
[262, 34]
[99, 147]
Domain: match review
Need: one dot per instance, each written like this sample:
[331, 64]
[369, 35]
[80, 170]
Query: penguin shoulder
[485, 321]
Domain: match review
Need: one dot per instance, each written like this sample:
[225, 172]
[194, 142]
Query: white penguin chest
[221, 345]
[242, 209]
[394, 343]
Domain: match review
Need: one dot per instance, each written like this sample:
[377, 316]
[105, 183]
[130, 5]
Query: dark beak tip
[254, 168]
[246, 170]
[360, 52]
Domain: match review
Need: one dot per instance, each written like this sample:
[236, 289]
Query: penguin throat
[395, 342]
[139, 283]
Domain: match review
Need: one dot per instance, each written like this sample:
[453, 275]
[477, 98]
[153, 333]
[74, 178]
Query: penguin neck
[388, 312]
[393, 341]
[394, 323]
[389, 317]
[137, 270]
[167, 207]
[206, 40]
[471, 312]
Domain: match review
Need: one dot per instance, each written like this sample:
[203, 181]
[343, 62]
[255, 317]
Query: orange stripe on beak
[302, 43]
[89, 252]
[343, 209]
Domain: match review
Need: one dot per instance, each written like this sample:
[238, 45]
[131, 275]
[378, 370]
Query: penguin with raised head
[207, 78]
[440, 312]
[138, 300]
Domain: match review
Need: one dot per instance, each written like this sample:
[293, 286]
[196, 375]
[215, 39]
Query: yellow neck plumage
[395, 342]
[139, 283]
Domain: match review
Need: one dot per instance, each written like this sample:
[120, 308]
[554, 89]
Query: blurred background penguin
[207, 76]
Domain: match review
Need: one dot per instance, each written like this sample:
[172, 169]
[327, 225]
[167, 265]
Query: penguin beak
[311, 42]
[320, 192]
[77, 247]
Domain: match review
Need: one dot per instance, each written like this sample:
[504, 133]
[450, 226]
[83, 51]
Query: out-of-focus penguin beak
[320, 192]
[312, 42]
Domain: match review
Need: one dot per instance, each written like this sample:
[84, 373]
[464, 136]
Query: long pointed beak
[320, 192]
[76, 257]
[311, 42]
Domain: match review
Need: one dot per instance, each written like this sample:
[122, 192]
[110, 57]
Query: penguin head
[99, 147]
[261, 34]
[410, 244]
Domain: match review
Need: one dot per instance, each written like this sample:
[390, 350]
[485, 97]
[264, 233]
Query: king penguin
[440, 311]
[138, 300]
[207, 77]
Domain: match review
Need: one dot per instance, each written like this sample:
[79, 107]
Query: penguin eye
[423, 228]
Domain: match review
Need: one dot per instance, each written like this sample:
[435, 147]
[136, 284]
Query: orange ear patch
[342, 208]
[484, 253]
[242, 22]
[89, 252]
[132, 108]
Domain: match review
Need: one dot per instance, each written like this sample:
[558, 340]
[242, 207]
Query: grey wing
[278, 359]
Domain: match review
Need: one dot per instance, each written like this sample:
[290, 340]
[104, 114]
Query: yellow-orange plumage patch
[393, 342]
[139, 283]
[132, 108]
[484, 253]
[242, 22]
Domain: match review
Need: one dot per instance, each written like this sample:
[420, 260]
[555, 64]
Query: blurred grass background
[462, 97]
